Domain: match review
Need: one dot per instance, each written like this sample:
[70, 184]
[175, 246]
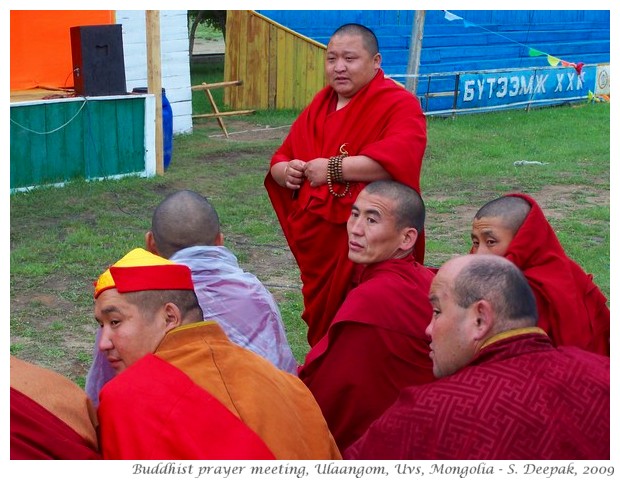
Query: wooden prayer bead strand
[334, 174]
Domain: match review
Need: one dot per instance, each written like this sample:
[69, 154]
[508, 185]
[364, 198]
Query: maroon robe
[519, 399]
[51, 417]
[382, 121]
[375, 346]
[571, 308]
[38, 434]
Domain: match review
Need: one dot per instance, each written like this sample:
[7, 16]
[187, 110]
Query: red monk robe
[202, 397]
[520, 398]
[154, 411]
[51, 417]
[375, 346]
[382, 121]
[571, 308]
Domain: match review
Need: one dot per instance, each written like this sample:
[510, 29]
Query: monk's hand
[294, 174]
[316, 171]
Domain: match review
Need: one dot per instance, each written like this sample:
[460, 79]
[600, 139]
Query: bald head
[184, 219]
[511, 210]
[475, 297]
[369, 39]
[409, 209]
[496, 280]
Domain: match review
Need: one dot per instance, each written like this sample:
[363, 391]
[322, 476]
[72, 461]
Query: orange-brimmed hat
[142, 270]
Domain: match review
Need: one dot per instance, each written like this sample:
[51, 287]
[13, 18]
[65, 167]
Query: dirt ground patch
[245, 131]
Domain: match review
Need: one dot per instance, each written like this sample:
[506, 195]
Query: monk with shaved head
[185, 227]
[571, 307]
[183, 390]
[504, 391]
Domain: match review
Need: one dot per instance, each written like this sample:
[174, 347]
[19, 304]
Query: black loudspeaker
[98, 61]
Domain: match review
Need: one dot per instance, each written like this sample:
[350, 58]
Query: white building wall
[175, 61]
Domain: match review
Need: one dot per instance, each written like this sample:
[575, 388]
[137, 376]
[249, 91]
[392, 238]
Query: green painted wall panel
[53, 142]
[20, 146]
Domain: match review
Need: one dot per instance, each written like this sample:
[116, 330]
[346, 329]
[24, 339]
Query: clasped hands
[297, 171]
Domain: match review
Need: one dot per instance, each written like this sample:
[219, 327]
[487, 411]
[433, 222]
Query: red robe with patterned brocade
[519, 399]
[571, 308]
[382, 121]
[375, 346]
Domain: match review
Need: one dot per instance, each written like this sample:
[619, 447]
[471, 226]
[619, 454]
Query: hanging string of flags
[553, 61]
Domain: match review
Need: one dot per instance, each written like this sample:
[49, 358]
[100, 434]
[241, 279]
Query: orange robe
[251, 409]
[382, 121]
[51, 417]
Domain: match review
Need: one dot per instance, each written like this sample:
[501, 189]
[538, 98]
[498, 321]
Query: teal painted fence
[54, 141]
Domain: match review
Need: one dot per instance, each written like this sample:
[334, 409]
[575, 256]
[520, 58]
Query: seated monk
[183, 390]
[376, 343]
[51, 417]
[503, 390]
[571, 307]
[185, 228]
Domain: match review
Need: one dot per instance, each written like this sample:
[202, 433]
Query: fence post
[415, 50]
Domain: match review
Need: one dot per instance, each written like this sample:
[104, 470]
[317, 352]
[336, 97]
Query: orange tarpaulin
[41, 45]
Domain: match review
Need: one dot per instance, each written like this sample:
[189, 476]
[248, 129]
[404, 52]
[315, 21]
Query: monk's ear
[377, 60]
[149, 241]
[484, 319]
[409, 237]
[173, 316]
[219, 240]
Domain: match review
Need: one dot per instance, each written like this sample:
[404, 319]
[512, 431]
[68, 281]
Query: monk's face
[452, 328]
[348, 65]
[490, 235]
[373, 233]
[126, 333]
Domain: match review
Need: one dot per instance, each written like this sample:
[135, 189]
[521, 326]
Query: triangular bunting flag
[451, 16]
[532, 52]
[578, 67]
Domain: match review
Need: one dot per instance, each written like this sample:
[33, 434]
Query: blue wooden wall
[483, 40]
[494, 39]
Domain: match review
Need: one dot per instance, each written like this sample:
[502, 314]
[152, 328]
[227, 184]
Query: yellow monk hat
[142, 270]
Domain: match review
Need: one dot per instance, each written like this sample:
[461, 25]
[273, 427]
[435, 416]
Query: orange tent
[41, 45]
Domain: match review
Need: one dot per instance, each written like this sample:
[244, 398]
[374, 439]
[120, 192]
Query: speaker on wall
[98, 61]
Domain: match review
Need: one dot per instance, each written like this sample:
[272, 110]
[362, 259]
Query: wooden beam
[153, 65]
[207, 86]
[223, 114]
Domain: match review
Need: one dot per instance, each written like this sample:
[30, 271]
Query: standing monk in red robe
[504, 391]
[360, 128]
[571, 307]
